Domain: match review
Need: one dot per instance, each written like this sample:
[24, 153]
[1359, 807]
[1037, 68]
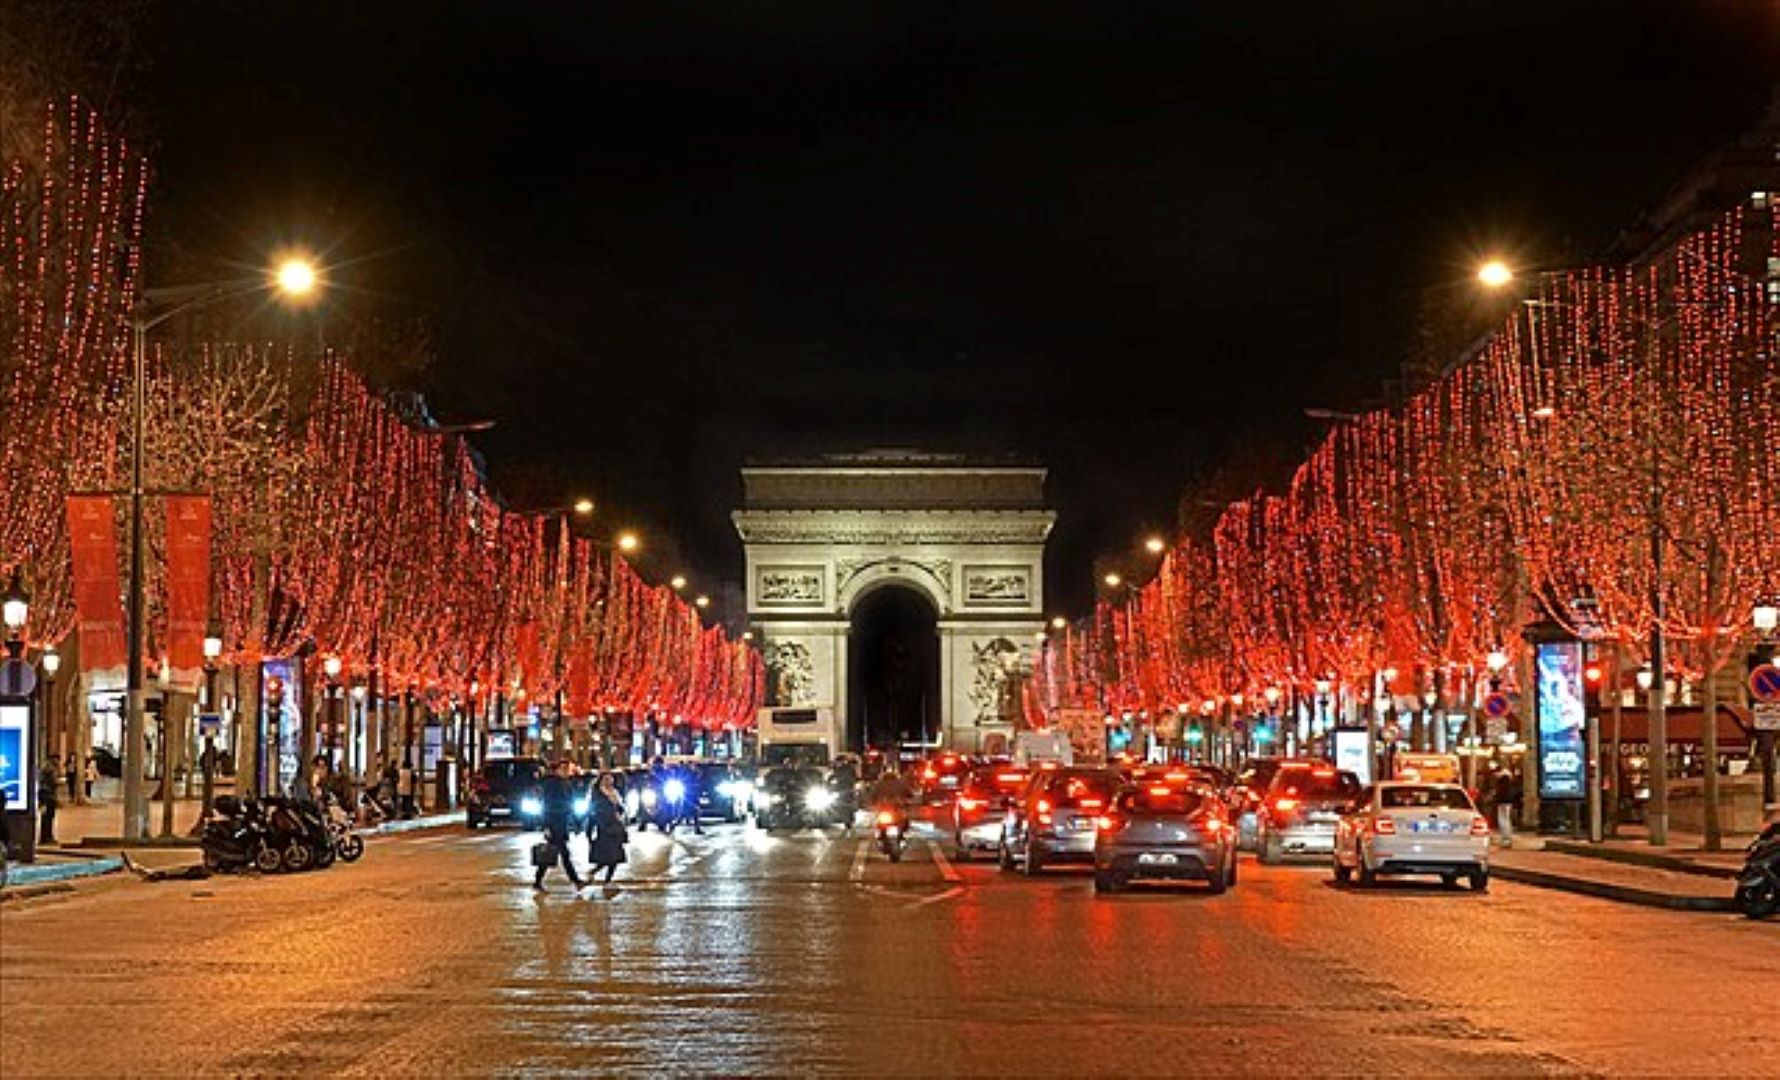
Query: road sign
[1764, 683]
[1495, 729]
[17, 678]
[1767, 716]
[209, 724]
[1497, 705]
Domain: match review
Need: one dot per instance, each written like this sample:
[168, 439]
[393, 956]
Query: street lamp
[628, 542]
[702, 602]
[1765, 617]
[213, 648]
[1155, 545]
[1058, 622]
[1113, 581]
[1496, 661]
[583, 506]
[15, 610]
[677, 582]
[331, 667]
[1495, 274]
[1646, 678]
[294, 277]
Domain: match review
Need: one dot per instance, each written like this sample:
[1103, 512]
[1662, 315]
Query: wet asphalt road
[739, 953]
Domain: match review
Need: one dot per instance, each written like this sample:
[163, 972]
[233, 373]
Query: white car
[1405, 827]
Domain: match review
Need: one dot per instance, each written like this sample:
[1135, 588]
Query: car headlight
[648, 796]
[765, 798]
[529, 805]
[735, 789]
[631, 801]
[583, 805]
[674, 790]
[819, 798]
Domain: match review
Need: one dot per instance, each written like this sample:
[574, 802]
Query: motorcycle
[237, 839]
[300, 834]
[1758, 886]
[893, 830]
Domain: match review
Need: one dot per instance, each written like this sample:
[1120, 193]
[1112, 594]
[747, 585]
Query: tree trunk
[1709, 750]
[1617, 775]
[1529, 758]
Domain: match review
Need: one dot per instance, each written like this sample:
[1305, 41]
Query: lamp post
[15, 611]
[213, 647]
[294, 278]
[330, 741]
[165, 680]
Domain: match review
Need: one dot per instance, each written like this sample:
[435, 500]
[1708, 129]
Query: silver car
[1299, 813]
[1054, 820]
[1167, 832]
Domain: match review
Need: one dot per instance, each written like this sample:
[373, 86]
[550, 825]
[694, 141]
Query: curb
[21, 877]
[434, 821]
[1602, 890]
[1652, 859]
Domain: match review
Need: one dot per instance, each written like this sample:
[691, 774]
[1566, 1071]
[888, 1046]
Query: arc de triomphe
[968, 536]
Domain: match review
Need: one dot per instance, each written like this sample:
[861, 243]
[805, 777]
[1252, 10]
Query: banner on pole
[98, 592]
[188, 587]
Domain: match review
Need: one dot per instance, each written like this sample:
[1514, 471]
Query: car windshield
[794, 754]
[503, 772]
[1159, 799]
[1433, 798]
[1317, 784]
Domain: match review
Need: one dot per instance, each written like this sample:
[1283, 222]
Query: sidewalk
[1658, 878]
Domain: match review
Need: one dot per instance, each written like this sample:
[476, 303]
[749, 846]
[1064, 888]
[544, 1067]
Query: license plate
[1430, 826]
[1149, 858]
[1323, 817]
[1082, 825]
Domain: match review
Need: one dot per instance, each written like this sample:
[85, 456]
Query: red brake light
[1105, 823]
[1384, 826]
[1092, 804]
[1322, 772]
[1044, 806]
[1177, 776]
[966, 803]
[949, 759]
[1160, 789]
[1480, 825]
[1285, 805]
[928, 773]
[1010, 777]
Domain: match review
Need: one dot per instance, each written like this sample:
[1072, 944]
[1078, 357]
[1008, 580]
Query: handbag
[543, 855]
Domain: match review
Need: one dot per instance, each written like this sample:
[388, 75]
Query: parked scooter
[1758, 886]
[893, 831]
[237, 839]
[348, 845]
[299, 833]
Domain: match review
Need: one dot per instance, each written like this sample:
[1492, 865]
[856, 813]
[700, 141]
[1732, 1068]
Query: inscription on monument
[790, 585]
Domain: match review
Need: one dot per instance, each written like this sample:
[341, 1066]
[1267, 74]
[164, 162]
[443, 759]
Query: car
[725, 790]
[1163, 831]
[1300, 810]
[1053, 820]
[981, 806]
[794, 797]
[942, 776]
[1409, 827]
[1245, 797]
[505, 788]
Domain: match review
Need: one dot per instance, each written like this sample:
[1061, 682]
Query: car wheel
[1034, 863]
[1450, 881]
[1217, 884]
[1230, 875]
[1343, 872]
[1270, 853]
[1105, 882]
[1004, 858]
[1479, 880]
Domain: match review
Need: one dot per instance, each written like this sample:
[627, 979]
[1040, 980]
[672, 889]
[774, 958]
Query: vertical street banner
[98, 592]
[188, 586]
[1563, 714]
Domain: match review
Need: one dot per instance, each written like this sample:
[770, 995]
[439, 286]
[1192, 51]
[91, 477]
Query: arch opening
[893, 684]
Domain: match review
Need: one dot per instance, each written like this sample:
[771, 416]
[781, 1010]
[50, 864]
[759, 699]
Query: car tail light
[1160, 789]
[1285, 806]
[1106, 823]
[1044, 806]
[1177, 776]
[1091, 804]
[928, 773]
[1480, 825]
[1322, 773]
[1010, 777]
[1384, 826]
[966, 803]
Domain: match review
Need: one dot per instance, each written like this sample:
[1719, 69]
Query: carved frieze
[793, 586]
[997, 586]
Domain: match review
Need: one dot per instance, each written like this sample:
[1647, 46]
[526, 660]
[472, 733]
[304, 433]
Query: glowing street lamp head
[703, 601]
[1494, 274]
[296, 276]
[678, 582]
[1113, 581]
[628, 542]
[1154, 545]
[583, 507]
[1059, 623]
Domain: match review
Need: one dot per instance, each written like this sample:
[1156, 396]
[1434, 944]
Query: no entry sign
[1497, 705]
[1764, 683]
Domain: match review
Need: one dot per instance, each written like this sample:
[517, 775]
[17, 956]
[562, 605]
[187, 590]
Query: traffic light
[1592, 673]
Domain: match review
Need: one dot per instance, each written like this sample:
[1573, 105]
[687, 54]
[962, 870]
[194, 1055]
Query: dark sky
[1129, 240]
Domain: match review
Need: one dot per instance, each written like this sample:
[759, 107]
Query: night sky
[1131, 241]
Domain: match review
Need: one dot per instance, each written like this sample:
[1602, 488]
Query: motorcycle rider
[687, 811]
[892, 791]
[558, 796]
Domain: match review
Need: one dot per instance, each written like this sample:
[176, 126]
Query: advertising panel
[1351, 755]
[1563, 715]
[16, 767]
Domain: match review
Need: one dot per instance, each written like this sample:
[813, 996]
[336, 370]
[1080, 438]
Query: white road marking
[956, 890]
[946, 869]
[859, 856]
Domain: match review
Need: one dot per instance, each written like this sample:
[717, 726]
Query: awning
[1686, 724]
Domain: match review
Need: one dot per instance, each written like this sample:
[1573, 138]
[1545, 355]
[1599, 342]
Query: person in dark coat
[558, 797]
[47, 779]
[610, 835]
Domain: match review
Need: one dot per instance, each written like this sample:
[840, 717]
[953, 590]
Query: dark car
[1176, 832]
[793, 797]
[1053, 820]
[724, 791]
[507, 788]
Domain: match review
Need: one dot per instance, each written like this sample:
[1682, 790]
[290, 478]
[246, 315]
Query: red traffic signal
[1593, 674]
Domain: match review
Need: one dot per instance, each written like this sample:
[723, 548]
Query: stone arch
[858, 582]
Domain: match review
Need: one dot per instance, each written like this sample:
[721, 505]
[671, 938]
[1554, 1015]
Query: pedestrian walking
[48, 779]
[558, 797]
[405, 787]
[92, 774]
[73, 774]
[609, 833]
[1503, 792]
